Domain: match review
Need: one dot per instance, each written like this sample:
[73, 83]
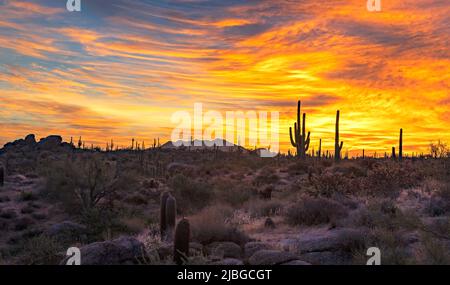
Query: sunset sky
[119, 68]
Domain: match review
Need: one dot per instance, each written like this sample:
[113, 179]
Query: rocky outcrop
[50, 142]
[30, 140]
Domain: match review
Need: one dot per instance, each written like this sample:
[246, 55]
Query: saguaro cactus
[181, 242]
[299, 140]
[319, 152]
[337, 146]
[163, 223]
[400, 147]
[393, 152]
[171, 214]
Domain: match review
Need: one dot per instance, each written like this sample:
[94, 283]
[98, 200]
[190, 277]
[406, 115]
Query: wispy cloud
[120, 68]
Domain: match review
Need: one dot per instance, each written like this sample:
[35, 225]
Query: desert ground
[235, 207]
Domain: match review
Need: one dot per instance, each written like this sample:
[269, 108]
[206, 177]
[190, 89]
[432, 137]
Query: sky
[119, 69]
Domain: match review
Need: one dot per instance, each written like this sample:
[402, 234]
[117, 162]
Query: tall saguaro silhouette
[299, 140]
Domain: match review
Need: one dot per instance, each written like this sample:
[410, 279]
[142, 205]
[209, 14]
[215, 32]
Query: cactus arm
[296, 133]
[307, 142]
[294, 144]
[340, 147]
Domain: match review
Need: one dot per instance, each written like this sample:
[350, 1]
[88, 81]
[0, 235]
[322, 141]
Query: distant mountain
[221, 144]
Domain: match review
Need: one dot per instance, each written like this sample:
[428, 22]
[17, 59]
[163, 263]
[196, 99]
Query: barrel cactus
[171, 214]
[163, 223]
[181, 242]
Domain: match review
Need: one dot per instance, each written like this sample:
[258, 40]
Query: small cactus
[181, 242]
[393, 152]
[171, 214]
[319, 152]
[163, 224]
[2, 176]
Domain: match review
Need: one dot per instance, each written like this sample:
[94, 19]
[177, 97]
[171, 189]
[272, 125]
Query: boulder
[30, 140]
[327, 258]
[338, 239]
[8, 214]
[271, 257]
[68, 231]
[50, 142]
[224, 249]
[251, 247]
[124, 250]
[296, 262]
[228, 261]
[15, 144]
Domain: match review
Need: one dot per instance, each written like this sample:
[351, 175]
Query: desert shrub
[133, 225]
[210, 225]
[326, 162]
[436, 207]
[191, 194]
[352, 240]
[299, 167]
[392, 245]
[439, 149]
[23, 223]
[102, 223]
[433, 251]
[387, 178]
[136, 199]
[234, 194]
[328, 183]
[267, 175]
[264, 208]
[349, 169]
[41, 250]
[4, 199]
[381, 214]
[315, 211]
[27, 196]
[83, 182]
